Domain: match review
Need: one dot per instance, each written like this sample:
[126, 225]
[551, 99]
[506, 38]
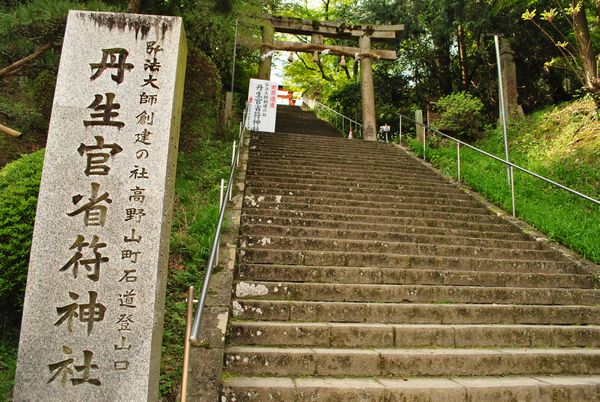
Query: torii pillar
[367, 89]
[319, 29]
[264, 68]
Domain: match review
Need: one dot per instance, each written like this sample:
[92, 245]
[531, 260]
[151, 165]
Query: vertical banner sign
[93, 314]
[262, 102]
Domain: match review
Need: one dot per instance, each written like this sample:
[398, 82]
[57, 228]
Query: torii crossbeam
[319, 29]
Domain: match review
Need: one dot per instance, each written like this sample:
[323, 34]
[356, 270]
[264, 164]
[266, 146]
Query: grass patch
[9, 344]
[561, 143]
[199, 173]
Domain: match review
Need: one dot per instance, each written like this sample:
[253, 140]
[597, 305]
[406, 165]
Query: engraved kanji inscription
[130, 255]
[114, 58]
[66, 369]
[91, 263]
[143, 137]
[134, 213]
[94, 211]
[88, 313]
[96, 157]
[105, 112]
[127, 299]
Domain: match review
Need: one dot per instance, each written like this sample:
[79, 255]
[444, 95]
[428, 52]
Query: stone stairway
[363, 275]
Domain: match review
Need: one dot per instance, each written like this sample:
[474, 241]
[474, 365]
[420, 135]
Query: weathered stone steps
[295, 223]
[401, 211]
[344, 177]
[273, 201]
[314, 159]
[359, 171]
[455, 389]
[342, 292]
[263, 230]
[415, 313]
[361, 268]
[267, 214]
[367, 335]
[288, 188]
[396, 362]
[411, 248]
[310, 184]
[396, 276]
[273, 192]
[356, 259]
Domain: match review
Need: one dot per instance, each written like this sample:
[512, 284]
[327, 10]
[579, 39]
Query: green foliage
[199, 173]
[559, 143]
[9, 338]
[19, 186]
[460, 113]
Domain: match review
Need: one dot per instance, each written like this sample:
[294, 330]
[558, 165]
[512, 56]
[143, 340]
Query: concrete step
[252, 361]
[424, 192]
[400, 211]
[395, 276]
[407, 199]
[407, 187]
[343, 292]
[414, 313]
[296, 223]
[324, 159]
[367, 335]
[342, 175]
[262, 230]
[369, 246]
[308, 178]
[292, 152]
[454, 389]
[341, 219]
[273, 201]
[403, 261]
[353, 170]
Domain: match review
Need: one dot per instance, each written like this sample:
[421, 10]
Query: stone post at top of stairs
[367, 90]
[419, 126]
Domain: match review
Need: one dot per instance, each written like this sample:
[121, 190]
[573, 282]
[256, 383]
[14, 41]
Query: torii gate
[319, 29]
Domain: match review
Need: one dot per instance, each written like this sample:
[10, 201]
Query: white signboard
[262, 105]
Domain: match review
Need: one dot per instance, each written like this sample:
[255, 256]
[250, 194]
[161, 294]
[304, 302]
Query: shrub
[19, 187]
[460, 113]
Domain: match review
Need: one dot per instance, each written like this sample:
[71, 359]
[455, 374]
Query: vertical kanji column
[93, 313]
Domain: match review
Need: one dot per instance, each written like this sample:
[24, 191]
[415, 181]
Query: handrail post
[424, 143]
[186, 343]
[458, 159]
[221, 205]
[512, 191]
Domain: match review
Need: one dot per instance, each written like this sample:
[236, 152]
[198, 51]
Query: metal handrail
[351, 122]
[505, 162]
[213, 258]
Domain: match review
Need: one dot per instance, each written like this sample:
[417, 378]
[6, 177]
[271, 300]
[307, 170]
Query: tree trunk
[584, 43]
[462, 56]
[134, 6]
[586, 54]
[442, 64]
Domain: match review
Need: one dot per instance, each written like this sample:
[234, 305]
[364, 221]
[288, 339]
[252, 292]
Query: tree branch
[303, 62]
[21, 64]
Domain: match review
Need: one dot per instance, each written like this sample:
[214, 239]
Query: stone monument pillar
[93, 313]
[509, 80]
[419, 126]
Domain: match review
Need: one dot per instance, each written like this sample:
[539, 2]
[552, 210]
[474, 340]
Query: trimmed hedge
[19, 187]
